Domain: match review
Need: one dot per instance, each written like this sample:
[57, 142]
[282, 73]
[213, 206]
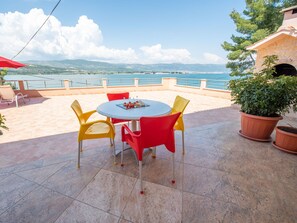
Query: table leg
[134, 125]
[153, 152]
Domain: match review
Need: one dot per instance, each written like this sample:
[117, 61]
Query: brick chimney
[290, 18]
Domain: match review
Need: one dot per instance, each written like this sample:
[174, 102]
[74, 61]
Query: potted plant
[2, 123]
[263, 98]
[286, 139]
[3, 72]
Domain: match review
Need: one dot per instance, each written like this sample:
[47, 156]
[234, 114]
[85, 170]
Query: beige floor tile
[70, 180]
[158, 204]
[41, 205]
[202, 209]
[108, 191]
[80, 212]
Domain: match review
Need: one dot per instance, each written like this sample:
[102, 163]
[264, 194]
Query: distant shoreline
[69, 76]
[118, 73]
[73, 67]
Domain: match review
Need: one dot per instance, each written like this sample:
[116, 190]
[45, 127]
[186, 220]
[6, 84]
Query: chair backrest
[179, 104]
[117, 96]
[6, 92]
[78, 111]
[158, 130]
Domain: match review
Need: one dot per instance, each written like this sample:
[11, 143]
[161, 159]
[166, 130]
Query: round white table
[113, 109]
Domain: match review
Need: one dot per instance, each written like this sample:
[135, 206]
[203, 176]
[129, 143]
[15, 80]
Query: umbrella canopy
[4, 62]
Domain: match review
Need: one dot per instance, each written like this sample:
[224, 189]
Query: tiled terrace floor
[221, 178]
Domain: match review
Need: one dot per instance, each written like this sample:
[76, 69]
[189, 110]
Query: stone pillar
[169, 82]
[104, 84]
[203, 84]
[66, 84]
[136, 81]
[21, 85]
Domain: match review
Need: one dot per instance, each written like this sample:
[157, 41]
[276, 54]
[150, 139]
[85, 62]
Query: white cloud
[84, 41]
[155, 54]
[213, 58]
[55, 41]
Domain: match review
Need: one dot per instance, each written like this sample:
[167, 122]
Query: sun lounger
[7, 95]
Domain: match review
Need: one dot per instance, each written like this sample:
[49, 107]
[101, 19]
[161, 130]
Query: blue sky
[140, 31]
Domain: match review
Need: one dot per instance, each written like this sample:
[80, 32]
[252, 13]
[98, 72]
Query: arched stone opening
[285, 69]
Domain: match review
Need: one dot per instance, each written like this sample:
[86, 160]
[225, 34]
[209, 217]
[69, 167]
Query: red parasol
[4, 62]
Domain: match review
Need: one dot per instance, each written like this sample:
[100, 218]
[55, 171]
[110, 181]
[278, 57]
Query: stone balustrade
[166, 84]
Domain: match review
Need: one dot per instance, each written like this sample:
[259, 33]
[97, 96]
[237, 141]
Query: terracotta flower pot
[257, 128]
[286, 139]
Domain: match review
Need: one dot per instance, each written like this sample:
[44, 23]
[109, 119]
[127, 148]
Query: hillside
[90, 67]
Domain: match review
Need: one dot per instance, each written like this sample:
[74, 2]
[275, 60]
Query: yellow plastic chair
[93, 129]
[180, 105]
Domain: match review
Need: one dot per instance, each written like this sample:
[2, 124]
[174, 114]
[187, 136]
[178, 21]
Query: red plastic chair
[155, 131]
[117, 96]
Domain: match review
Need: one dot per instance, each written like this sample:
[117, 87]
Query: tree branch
[254, 62]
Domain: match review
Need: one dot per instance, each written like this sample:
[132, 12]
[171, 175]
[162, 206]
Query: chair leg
[122, 153]
[16, 101]
[183, 141]
[114, 153]
[81, 150]
[173, 168]
[78, 154]
[140, 177]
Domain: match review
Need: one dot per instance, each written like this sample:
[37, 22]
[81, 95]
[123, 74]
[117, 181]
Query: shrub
[2, 122]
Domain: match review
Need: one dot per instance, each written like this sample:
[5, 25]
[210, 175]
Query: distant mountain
[90, 67]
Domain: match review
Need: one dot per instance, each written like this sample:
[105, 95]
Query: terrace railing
[149, 81]
[89, 82]
[217, 84]
[190, 82]
[43, 84]
[105, 83]
[119, 81]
